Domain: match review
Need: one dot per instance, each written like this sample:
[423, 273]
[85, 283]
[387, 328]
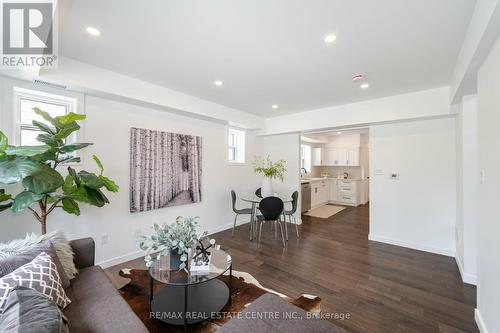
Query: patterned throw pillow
[39, 274]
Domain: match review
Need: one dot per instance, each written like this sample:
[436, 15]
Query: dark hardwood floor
[383, 288]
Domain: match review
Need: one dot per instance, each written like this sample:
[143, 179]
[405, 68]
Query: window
[24, 102]
[305, 157]
[235, 146]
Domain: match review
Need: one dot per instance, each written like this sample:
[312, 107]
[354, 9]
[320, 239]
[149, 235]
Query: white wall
[488, 285]
[418, 209]
[108, 126]
[467, 189]
[286, 147]
[419, 104]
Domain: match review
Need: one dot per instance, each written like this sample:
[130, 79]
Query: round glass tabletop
[220, 262]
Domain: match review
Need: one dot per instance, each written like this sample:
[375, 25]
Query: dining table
[255, 200]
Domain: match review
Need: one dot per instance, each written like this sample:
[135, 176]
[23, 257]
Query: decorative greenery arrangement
[268, 168]
[178, 237]
[36, 168]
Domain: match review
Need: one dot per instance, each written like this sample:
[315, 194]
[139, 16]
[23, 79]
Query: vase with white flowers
[271, 170]
[176, 240]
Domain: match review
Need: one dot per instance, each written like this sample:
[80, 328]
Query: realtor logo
[28, 34]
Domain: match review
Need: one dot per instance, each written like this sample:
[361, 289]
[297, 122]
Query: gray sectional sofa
[96, 305]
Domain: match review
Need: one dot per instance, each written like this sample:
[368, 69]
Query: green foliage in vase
[36, 168]
[269, 168]
[180, 236]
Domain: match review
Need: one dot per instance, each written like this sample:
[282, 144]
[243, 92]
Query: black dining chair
[258, 192]
[271, 209]
[290, 213]
[238, 211]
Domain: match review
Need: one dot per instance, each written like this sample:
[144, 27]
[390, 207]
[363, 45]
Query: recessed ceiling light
[330, 38]
[93, 31]
[218, 83]
[338, 133]
[365, 86]
[274, 106]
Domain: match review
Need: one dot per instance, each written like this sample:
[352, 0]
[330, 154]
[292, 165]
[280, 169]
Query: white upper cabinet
[352, 156]
[316, 159]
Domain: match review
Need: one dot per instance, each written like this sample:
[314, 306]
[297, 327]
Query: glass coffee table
[190, 297]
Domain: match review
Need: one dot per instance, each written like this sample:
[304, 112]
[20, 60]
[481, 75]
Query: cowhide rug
[245, 290]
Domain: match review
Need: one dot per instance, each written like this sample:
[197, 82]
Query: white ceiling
[271, 52]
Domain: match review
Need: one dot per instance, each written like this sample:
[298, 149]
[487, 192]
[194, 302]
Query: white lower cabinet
[320, 192]
[345, 192]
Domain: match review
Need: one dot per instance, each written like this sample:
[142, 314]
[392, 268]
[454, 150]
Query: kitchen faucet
[303, 174]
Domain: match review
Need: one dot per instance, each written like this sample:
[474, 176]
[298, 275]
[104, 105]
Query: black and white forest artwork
[165, 169]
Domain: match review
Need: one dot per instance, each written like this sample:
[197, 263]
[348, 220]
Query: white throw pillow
[58, 240]
[40, 274]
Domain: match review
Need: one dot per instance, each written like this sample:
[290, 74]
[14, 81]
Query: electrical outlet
[104, 239]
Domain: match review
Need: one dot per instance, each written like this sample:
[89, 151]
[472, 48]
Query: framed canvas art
[165, 169]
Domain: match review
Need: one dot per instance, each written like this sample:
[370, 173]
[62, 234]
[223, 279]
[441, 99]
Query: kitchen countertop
[317, 179]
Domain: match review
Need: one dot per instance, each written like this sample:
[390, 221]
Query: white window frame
[13, 90]
[305, 149]
[239, 147]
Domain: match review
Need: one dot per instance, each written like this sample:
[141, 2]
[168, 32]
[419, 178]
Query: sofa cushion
[40, 274]
[97, 306]
[10, 264]
[28, 311]
[58, 240]
[270, 313]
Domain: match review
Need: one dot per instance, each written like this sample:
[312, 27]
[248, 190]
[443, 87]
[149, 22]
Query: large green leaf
[99, 164]
[49, 139]
[73, 146]
[109, 184]
[46, 116]
[91, 180]
[70, 206]
[70, 117]
[43, 180]
[68, 185]
[25, 199]
[90, 196]
[73, 174]
[14, 168]
[64, 132]
[26, 150]
[69, 159]
[43, 127]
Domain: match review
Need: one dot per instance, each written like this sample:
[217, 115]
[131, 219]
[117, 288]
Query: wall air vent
[49, 84]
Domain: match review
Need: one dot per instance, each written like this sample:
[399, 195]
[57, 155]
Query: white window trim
[10, 88]
[236, 163]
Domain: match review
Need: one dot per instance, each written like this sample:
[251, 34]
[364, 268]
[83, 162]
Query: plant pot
[175, 260]
[267, 187]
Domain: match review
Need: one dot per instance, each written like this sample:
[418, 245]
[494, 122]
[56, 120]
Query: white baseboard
[227, 226]
[121, 259]
[480, 322]
[411, 245]
[466, 278]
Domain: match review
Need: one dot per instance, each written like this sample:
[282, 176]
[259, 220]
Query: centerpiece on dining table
[271, 170]
[176, 241]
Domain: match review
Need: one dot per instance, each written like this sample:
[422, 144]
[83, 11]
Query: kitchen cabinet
[316, 157]
[348, 156]
[320, 192]
[345, 191]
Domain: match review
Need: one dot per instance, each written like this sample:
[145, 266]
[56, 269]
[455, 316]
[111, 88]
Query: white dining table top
[256, 199]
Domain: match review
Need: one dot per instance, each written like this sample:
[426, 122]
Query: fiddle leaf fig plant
[37, 169]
